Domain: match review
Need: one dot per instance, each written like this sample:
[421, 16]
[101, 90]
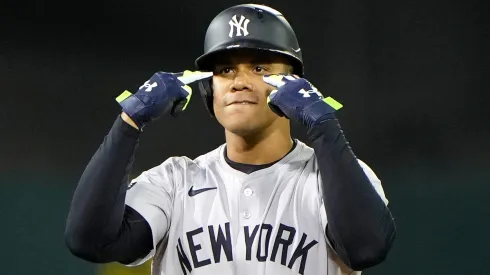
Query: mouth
[242, 102]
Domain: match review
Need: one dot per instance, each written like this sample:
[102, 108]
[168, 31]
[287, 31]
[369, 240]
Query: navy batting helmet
[247, 26]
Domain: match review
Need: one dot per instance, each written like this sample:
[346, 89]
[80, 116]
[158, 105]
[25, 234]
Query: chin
[242, 128]
[244, 122]
[247, 126]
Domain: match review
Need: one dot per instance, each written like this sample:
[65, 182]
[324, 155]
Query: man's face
[240, 94]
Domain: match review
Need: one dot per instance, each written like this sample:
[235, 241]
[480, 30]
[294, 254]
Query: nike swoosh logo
[193, 192]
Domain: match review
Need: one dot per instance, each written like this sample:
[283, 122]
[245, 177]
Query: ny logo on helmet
[148, 86]
[240, 26]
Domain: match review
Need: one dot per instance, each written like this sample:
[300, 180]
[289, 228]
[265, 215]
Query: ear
[288, 69]
[206, 88]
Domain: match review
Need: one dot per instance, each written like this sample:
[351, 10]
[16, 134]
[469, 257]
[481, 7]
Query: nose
[241, 82]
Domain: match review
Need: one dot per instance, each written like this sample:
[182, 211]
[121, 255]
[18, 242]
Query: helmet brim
[206, 62]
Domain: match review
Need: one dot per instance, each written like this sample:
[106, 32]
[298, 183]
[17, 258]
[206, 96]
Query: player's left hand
[297, 99]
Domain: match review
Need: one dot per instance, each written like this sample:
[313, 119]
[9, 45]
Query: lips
[242, 102]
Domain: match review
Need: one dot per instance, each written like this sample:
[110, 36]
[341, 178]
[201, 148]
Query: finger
[274, 108]
[273, 92]
[274, 80]
[178, 108]
[188, 77]
[188, 97]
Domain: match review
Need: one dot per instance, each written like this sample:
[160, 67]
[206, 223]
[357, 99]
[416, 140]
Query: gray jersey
[208, 218]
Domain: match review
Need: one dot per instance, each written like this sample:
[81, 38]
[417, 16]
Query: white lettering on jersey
[221, 241]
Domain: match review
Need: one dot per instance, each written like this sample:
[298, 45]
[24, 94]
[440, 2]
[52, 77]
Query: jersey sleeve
[375, 181]
[151, 194]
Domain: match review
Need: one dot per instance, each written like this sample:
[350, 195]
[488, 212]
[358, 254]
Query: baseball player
[263, 202]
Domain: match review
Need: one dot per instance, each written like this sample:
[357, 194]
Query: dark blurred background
[413, 77]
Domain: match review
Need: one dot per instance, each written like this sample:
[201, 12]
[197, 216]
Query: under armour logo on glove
[148, 86]
[307, 93]
[297, 99]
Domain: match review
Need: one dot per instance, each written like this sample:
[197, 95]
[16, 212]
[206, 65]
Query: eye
[260, 69]
[225, 71]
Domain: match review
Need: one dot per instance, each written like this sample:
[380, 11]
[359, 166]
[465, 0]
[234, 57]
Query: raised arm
[100, 226]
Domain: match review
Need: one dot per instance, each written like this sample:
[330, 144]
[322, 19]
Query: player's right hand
[162, 93]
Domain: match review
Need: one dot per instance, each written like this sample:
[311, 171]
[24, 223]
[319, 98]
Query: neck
[266, 147]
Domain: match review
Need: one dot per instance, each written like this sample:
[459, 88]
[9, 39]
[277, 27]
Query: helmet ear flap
[206, 88]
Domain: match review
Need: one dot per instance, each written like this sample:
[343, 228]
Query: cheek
[219, 90]
[265, 91]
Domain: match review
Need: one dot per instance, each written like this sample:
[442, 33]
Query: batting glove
[162, 93]
[298, 100]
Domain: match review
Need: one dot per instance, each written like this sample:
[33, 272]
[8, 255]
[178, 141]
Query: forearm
[98, 215]
[360, 225]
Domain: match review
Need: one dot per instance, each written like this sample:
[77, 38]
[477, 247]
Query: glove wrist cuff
[317, 112]
[132, 106]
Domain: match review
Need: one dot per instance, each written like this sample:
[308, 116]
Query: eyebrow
[229, 62]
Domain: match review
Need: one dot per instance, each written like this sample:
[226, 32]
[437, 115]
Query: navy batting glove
[298, 100]
[162, 93]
